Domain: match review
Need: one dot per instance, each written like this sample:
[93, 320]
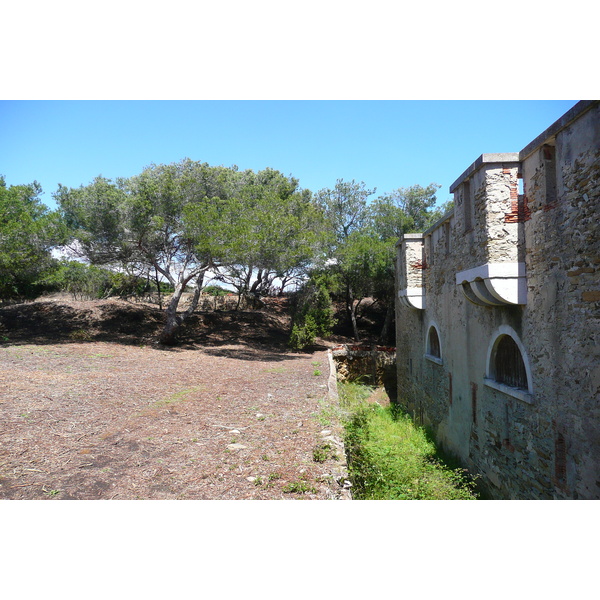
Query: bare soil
[91, 407]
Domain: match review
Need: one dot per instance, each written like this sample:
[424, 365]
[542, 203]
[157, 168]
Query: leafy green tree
[28, 232]
[277, 234]
[362, 262]
[180, 220]
[363, 238]
[313, 314]
[405, 210]
[166, 220]
[346, 211]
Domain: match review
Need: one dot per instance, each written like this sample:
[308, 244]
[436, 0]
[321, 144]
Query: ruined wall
[524, 266]
[373, 365]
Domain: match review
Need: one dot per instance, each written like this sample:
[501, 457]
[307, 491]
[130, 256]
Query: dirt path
[101, 420]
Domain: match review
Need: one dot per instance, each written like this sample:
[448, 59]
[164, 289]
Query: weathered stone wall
[543, 441]
[369, 364]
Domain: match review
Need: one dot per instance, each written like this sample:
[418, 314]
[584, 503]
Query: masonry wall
[544, 441]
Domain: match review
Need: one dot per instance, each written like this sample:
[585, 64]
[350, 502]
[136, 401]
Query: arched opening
[433, 347]
[433, 343]
[509, 367]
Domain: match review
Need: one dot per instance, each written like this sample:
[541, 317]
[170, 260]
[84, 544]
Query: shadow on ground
[248, 335]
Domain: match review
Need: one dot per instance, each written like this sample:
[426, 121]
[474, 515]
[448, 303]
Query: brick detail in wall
[519, 209]
[419, 264]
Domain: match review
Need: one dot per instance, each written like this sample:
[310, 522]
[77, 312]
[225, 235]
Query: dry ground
[92, 408]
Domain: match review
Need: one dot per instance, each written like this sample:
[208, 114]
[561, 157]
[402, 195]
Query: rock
[235, 446]
[326, 432]
[233, 431]
[251, 479]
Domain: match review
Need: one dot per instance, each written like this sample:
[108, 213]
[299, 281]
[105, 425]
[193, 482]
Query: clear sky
[386, 144]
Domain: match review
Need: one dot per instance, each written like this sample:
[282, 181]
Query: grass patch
[390, 458]
[324, 452]
[80, 335]
[298, 487]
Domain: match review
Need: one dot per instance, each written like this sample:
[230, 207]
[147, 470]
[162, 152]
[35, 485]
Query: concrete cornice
[572, 114]
[410, 237]
[504, 157]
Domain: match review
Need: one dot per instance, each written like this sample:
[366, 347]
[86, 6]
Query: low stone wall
[373, 365]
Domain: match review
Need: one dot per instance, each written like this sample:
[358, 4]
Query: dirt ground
[92, 408]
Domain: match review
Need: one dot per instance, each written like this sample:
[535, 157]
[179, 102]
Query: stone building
[497, 317]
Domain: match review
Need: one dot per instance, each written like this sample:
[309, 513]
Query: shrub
[92, 282]
[214, 290]
[389, 458]
[312, 315]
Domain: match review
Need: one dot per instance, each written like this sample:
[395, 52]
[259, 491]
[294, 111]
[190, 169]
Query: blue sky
[386, 144]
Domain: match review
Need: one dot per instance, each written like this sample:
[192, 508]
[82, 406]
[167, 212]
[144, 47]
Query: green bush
[312, 314]
[389, 458]
[214, 290]
[92, 282]
[303, 334]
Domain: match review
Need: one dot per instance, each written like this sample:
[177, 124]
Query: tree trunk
[351, 311]
[389, 313]
[196, 297]
[158, 289]
[168, 334]
[354, 325]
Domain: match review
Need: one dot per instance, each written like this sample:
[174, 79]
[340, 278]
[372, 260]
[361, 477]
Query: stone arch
[433, 343]
[507, 362]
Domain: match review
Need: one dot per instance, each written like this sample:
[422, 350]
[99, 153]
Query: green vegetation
[298, 487]
[28, 231]
[84, 281]
[389, 458]
[323, 452]
[258, 232]
[215, 290]
[312, 314]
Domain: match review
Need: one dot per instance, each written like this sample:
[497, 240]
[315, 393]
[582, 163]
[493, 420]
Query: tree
[167, 220]
[180, 220]
[405, 210]
[28, 231]
[313, 313]
[361, 262]
[277, 229]
[364, 235]
[346, 210]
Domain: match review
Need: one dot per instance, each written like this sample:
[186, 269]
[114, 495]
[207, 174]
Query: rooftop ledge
[494, 284]
[506, 157]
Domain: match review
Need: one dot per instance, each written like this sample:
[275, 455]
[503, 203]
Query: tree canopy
[255, 231]
[28, 231]
[182, 219]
